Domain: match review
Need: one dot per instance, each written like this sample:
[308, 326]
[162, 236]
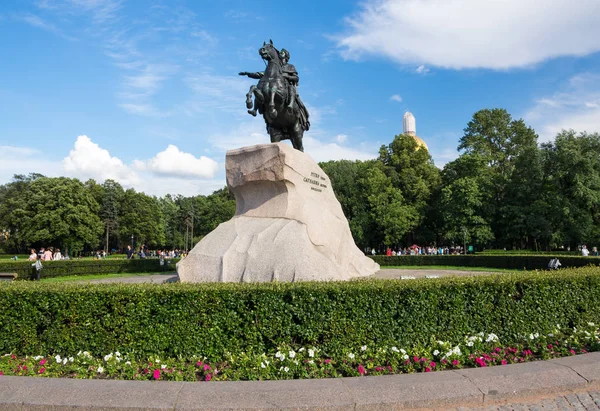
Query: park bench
[8, 276]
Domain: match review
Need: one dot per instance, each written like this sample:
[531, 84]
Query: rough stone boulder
[288, 225]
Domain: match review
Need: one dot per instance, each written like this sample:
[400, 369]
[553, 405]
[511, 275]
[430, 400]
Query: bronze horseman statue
[276, 98]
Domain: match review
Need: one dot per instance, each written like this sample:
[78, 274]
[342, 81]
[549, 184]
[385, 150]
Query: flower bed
[288, 362]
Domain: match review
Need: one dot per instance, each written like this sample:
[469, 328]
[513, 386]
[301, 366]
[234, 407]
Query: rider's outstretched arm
[256, 75]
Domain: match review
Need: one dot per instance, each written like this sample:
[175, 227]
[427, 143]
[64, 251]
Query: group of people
[418, 250]
[585, 252]
[47, 254]
[143, 252]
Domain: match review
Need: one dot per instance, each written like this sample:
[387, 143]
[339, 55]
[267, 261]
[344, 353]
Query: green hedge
[527, 262]
[61, 268]
[182, 320]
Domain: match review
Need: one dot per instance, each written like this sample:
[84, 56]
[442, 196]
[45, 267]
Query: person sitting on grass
[33, 255]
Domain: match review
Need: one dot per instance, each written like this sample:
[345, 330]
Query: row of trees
[504, 190]
[38, 211]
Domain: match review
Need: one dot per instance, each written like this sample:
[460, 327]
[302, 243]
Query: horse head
[269, 52]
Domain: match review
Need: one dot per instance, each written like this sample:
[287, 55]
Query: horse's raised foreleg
[297, 135]
[249, 96]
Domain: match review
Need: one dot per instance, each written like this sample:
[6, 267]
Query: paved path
[565, 383]
[390, 273]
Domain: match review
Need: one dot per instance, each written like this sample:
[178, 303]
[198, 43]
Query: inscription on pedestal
[315, 181]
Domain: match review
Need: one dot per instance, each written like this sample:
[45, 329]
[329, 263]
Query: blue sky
[147, 92]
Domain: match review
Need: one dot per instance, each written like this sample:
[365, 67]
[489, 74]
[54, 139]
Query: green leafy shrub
[519, 262]
[185, 320]
[61, 268]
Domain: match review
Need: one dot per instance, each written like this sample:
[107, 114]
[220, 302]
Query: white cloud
[15, 151]
[88, 160]
[576, 106]
[175, 163]
[323, 151]
[422, 69]
[396, 97]
[457, 34]
[341, 138]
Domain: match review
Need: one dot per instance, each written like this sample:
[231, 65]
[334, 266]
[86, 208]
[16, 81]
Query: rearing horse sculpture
[275, 98]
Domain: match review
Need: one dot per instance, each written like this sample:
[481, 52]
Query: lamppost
[132, 241]
[465, 240]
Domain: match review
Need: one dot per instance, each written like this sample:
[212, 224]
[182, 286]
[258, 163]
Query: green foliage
[62, 268]
[519, 262]
[186, 320]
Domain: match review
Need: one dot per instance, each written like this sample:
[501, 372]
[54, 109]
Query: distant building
[409, 126]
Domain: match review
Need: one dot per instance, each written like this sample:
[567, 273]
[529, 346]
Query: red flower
[14, 357]
[444, 361]
[42, 370]
[361, 369]
[427, 369]
[156, 374]
[1, 373]
[432, 364]
[550, 346]
[416, 359]
[503, 362]
[327, 361]
[199, 364]
[572, 351]
[378, 368]
[455, 362]
[206, 367]
[480, 362]
[208, 377]
[43, 362]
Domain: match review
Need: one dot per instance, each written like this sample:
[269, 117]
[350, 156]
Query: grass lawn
[97, 277]
[450, 268]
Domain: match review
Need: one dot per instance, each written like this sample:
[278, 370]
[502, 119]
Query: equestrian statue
[276, 97]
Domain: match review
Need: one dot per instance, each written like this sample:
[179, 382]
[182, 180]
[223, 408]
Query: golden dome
[420, 142]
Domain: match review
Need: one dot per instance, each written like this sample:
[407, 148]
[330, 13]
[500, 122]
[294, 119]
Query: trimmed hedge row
[183, 320]
[62, 268]
[527, 262]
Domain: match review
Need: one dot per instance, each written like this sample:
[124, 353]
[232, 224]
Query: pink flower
[156, 374]
[199, 364]
[444, 361]
[427, 369]
[1, 373]
[572, 351]
[327, 361]
[390, 368]
[361, 369]
[14, 357]
[498, 349]
[43, 362]
[208, 377]
[503, 362]
[550, 346]
[378, 368]
[480, 362]
[206, 367]
[432, 364]
[42, 370]
[455, 362]
[416, 359]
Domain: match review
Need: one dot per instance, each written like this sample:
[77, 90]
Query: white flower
[456, 350]
[402, 350]
[281, 368]
[280, 356]
[363, 348]
[128, 363]
[118, 359]
[118, 354]
[491, 337]
[469, 343]
[107, 357]
[86, 354]
[436, 353]
[286, 369]
[351, 356]
[71, 359]
[311, 362]
[301, 349]
[58, 359]
[449, 353]
[481, 334]
[39, 357]
[536, 335]
[64, 361]
[311, 353]
[296, 362]
[394, 349]
[157, 361]
[292, 354]
[405, 356]
[162, 367]
[591, 324]
[531, 337]
[100, 370]
[262, 365]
